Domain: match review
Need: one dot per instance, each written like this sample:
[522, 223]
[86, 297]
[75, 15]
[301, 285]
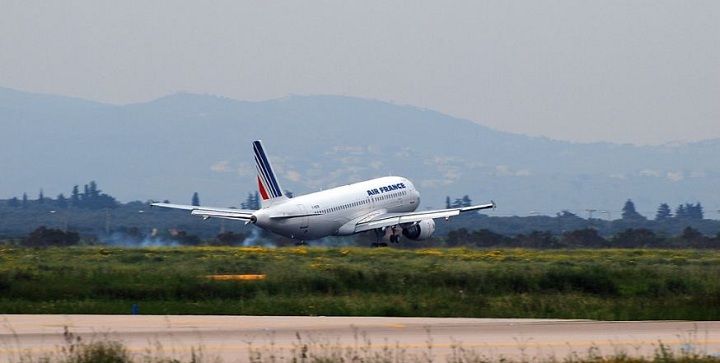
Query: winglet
[268, 185]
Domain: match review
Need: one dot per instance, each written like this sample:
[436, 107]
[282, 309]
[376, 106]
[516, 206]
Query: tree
[537, 239]
[229, 239]
[75, 197]
[488, 238]
[689, 211]
[458, 237]
[44, 237]
[586, 237]
[251, 202]
[196, 199]
[91, 198]
[634, 238]
[663, 213]
[61, 201]
[681, 212]
[695, 211]
[92, 190]
[13, 202]
[629, 212]
[104, 201]
[185, 239]
[465, 201]
[691, 238]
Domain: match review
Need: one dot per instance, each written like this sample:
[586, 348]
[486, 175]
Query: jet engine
[420, 230]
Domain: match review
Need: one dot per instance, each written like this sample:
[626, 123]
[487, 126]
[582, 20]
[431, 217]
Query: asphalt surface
[239, 338]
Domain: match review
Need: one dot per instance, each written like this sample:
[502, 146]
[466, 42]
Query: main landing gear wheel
[379, 234]
[394, 236]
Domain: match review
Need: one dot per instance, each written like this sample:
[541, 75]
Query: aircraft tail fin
[268, 185]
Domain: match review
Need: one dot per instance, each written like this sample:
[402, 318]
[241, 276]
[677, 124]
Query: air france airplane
[377, 204]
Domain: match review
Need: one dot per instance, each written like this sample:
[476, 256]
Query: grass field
[517, 283]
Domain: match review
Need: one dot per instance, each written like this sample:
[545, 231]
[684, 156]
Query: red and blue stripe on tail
[268, 185]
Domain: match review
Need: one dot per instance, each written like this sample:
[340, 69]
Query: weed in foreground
[322, 350]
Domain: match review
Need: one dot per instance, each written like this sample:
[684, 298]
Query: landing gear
[380, 234]
[394, 237]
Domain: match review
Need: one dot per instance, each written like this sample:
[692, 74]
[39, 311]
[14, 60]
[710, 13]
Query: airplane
[379, 204]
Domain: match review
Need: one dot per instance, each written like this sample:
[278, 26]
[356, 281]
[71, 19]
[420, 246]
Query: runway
[238, 338]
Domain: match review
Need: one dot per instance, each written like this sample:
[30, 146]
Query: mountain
[185, 143]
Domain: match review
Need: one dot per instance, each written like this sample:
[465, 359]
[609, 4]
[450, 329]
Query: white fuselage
[336, 211]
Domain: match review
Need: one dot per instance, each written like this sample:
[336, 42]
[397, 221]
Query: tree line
[462, 237]
[90, 197]
[581, 238]
[683, 211]
[95, 216]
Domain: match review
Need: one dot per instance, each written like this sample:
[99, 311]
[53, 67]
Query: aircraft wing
[380, 220]
[210, 212]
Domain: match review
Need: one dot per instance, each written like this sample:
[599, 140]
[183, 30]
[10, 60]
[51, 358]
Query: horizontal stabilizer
[289, 216]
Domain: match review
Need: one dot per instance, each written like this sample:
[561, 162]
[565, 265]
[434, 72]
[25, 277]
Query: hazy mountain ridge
[173, 146]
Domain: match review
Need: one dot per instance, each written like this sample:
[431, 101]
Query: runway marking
[245, 277]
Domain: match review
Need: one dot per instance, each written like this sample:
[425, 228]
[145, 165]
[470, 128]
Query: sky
[639, 72]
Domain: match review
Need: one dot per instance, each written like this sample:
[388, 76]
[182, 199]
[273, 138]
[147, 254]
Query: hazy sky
[622, 71]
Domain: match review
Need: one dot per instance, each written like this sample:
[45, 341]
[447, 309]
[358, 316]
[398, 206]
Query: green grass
[516, 283]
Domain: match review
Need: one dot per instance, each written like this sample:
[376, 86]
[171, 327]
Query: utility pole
[590, 212]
